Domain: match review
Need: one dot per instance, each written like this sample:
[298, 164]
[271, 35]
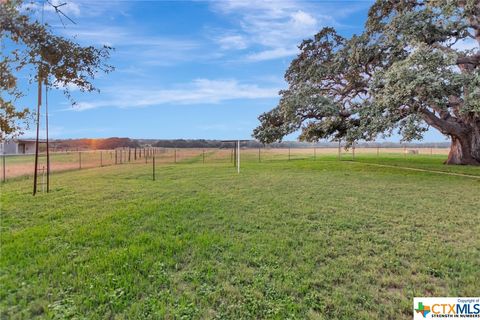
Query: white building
[18, 146]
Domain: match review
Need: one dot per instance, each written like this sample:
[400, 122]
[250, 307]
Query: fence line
[22, 165]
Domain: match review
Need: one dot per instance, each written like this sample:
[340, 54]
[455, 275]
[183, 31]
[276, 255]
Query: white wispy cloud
[121, 36]
[232, 41]
[45, 11]
[272, 29]
[271, 54]
[199, 91]
[137, 48]
[70, 8]
[73, 9]
[70, 87]
[105, 9]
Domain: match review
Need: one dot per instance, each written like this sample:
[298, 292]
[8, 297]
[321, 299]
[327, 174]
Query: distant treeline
[95, 144]
[112, 143]
[201, 143]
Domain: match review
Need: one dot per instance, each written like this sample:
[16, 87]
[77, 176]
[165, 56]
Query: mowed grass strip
[425, 162]
[298, 239]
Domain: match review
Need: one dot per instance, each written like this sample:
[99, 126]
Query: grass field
[23, 165]
[284, 239]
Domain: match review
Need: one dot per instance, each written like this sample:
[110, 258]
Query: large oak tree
[29, 47]
[408, 71]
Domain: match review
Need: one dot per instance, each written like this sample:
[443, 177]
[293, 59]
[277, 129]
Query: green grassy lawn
[426, 162]
[284, 239]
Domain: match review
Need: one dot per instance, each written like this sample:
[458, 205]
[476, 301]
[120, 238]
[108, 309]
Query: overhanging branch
[446, 126]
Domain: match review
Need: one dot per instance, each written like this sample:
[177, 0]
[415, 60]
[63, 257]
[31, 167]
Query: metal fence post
[353, 151]
[4, 176]
[203, 154]
[175, 155]
[288, 153]
[101, 159]
[235, 156]
[314, 153]
[153, 164]
[259, 159]
[339, 149]
[79, 160]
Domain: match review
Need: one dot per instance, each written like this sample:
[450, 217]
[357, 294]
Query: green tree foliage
[407, 71]
[29, 46]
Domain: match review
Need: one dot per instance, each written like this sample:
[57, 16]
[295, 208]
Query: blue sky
[200, 69]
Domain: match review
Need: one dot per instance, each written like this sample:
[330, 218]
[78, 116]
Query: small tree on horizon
[407, 71]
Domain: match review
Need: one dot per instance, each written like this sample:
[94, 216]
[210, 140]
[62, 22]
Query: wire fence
[13, 166]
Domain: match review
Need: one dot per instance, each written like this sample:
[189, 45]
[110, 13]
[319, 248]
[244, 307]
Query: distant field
[304, 239]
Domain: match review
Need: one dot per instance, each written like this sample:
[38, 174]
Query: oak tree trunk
[465, 149]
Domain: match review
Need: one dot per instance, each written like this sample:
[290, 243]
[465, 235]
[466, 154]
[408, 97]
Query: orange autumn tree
[30, 46]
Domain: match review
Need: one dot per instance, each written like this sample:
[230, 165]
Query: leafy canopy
[406, 71]
[30, 46]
